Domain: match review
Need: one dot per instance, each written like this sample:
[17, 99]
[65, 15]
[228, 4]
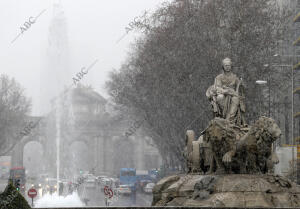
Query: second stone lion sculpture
[227, 148]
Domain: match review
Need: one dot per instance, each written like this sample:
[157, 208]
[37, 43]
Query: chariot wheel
[189, 138]
[196, 156]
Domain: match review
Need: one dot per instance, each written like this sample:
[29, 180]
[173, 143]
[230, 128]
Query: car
[51, 185]
[90, 181]
[90, 184]
[115, 182]
[101, 177]
[106, 182]
[36, 185]
[149, 187]
[42, 179]
[143, 183]
[90, 176]
[124, 189]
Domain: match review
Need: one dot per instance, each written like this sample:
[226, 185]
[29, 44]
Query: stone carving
[227, 96]
[227, 148]
[222, 137]
[255, 148]
[229, 145]
[198, 154]
[231, 149]
[245, 151]
[232, 190]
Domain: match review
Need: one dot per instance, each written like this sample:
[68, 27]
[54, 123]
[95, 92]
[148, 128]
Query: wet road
[96, 197]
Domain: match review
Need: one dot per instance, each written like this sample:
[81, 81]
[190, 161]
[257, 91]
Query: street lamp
[293, 140]
[289, 55]
[262, 82]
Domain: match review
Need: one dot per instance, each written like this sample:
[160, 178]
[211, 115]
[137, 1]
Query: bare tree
[171, 66]
[13, 109]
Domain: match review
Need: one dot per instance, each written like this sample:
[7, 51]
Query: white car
[91, 176]
[106, 182]
[100, 177]
[90, 181]
[149, 187]
[90, 184]
[124, 189]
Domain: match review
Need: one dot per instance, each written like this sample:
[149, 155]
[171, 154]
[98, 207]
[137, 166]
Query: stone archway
[17, 154]
[34, 158]
[79, 156]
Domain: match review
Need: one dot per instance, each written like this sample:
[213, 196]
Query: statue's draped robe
[231, 107]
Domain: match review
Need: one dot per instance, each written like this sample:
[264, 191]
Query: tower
[56, 73]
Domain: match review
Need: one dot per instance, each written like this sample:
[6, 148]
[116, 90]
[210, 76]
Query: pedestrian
[70, 189]
[86, 201]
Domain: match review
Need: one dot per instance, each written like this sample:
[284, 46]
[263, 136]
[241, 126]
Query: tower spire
[57, 8]
[55, 75]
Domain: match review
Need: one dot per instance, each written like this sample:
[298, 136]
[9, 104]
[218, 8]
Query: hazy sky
[94, 26]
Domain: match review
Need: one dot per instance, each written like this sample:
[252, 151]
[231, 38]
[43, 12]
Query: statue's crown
[226, 61]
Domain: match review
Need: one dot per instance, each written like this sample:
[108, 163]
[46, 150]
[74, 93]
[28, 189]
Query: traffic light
[17, 184]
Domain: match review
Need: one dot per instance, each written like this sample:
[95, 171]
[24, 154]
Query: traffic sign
[108, 191]
[32, 193]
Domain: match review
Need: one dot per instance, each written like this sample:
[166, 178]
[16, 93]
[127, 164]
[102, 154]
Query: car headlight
[32, 185]
[40, 185]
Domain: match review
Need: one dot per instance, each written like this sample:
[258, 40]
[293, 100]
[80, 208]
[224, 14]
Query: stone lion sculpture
[255, 148]
[228, 148]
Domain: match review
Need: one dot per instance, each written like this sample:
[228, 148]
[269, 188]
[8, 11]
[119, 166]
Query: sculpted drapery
[227, 96]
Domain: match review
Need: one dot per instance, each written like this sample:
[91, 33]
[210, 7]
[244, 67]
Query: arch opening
[34, 159]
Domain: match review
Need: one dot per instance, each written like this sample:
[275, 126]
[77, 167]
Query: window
[128, 173]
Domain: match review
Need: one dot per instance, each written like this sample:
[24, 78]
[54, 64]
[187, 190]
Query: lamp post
[262, 82]
[292, 91]
[292, 88]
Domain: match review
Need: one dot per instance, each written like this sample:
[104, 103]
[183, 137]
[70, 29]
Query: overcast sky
[93, 26]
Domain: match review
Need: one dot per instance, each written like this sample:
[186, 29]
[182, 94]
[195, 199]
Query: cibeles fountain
[231, 163]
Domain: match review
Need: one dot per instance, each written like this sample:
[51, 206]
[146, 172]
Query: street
[96, 197]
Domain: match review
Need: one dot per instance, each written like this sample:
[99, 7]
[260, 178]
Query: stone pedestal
[233, 190]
